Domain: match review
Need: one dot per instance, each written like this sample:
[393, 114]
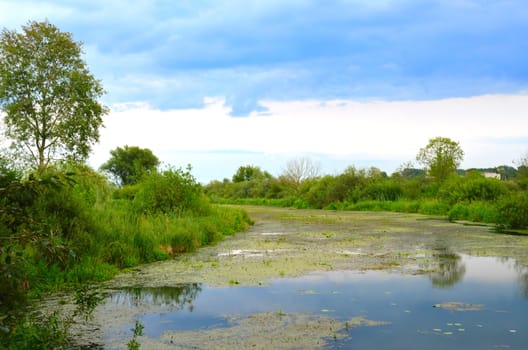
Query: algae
[290, 243]
[459, 306]
[270, 330]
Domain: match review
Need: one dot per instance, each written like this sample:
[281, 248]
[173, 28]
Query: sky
[222, 84]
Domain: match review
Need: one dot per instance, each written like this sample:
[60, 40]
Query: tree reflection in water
[523, 278]
[173, 297]
[451, 269]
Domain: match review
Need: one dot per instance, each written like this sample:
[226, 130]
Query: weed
[137, 331]
[86, 300]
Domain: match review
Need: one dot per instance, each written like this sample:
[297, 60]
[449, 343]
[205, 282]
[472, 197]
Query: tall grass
[65, 228]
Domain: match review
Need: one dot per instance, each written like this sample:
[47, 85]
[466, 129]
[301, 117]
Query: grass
[474, 211]
[106, 236]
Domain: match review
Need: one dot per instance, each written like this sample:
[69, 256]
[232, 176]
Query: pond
[469, 302]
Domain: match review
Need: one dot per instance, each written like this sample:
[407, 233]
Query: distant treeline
[464, 195]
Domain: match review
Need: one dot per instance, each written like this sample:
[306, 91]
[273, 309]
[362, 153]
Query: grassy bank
[69, 227]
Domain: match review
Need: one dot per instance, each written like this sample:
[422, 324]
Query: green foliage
[250, 173]
[43, 333]
[128, 165]
[386, 190]
[472, 187]
[322, 192]
[63, 226]
[468, 196]
[513, 210]
[86, 299]
[137, 331]
[433, 207]
[441, 157]
[46, 223]
[477, 211]
[172, 191]
[48, 95]
[522, 176]
[8, 173]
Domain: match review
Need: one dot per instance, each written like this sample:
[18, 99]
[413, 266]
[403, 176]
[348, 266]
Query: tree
[441, 157]
[128, 164]
[250, 173]
[522, 172]
[300, 169]
[48, 95]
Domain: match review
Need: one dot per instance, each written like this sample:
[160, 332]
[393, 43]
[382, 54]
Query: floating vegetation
[318, 304]
[270, 330]
[459, 306]
[308, 292]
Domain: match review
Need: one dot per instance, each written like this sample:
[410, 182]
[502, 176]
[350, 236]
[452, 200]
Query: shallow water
[469, 303]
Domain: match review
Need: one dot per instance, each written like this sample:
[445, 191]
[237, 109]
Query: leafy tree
[128, 164]
[48, 95]
[441, 157]
[250, 173]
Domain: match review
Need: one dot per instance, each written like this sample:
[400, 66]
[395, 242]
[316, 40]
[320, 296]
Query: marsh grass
[65, 228]
[474, 211]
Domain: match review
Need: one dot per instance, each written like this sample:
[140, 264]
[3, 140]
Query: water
[473, 303]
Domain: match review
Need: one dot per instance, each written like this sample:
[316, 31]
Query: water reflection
[523, 278]
[484, 310]
[177, 297]
[451, 269]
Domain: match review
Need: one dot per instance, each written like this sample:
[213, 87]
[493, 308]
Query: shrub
[405, 206]
[433, 207]
[173, 191]
[472, 187]
[474, 211]
[459, 211]
[513, 211]
[383, 191]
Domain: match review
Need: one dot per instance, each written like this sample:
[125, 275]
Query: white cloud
[11, 11]
[491, 129]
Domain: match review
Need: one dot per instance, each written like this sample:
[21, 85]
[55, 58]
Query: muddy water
[319, 279]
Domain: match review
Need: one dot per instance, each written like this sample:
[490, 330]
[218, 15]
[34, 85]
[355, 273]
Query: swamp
[314, 279]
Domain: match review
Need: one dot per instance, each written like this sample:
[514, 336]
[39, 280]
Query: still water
[471, 303]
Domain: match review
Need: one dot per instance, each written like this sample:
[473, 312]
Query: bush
[513, 211]
[383, 191]
[459, 211]
[472, 187]
[173, 191]
[474, 211]
[433, 207]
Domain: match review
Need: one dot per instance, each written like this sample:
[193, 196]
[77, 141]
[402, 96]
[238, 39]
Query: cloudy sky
[220, 84]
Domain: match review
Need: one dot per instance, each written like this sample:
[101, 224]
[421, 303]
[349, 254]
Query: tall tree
[128, 164]
[441, 157]
[48, 95]
[300, 169]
